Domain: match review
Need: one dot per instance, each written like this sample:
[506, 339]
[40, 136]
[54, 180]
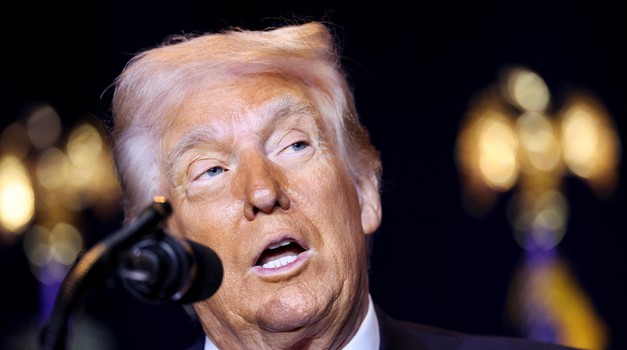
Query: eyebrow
[279, 109]
[283, 108]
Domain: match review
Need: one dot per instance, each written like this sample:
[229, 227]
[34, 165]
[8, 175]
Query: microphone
[156, 268]
[161, 268]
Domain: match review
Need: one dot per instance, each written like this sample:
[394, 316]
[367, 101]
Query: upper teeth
[279, 244]
[279, 262]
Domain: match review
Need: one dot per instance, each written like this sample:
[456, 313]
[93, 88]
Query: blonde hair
[158, 80]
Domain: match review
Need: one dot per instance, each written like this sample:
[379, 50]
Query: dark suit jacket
[401, 335]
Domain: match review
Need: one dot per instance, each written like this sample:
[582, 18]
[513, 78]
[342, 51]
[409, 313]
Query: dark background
[414, 66]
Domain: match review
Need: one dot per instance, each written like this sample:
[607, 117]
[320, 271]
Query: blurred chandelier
[514, 136]
[510, 137]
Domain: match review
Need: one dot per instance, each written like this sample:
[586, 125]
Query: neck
[332, 331]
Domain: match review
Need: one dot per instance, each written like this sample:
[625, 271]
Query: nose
[261, 182]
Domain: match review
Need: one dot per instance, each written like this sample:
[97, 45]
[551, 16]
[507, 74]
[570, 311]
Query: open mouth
[279, 254]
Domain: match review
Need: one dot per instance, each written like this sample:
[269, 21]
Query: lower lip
[283, 270]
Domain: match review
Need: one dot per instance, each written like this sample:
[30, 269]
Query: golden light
[66, 243]
[52, 169]
[94, 183]
[580, 139]
[68, 181]
[17, 199]
[37, 245]
[43, 126]
[591, 147]
[498, 149]
[526, 89]
[14, 141]
[510, 138]
[486, 153]
[84, 145]
[549, 223]
[53, 250]
[538, 143]
[539, 219]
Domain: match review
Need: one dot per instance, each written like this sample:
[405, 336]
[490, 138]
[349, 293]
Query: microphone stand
[54, 334]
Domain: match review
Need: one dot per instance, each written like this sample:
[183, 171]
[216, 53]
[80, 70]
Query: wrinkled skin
[260, 169]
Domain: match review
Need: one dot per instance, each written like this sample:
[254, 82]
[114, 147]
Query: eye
[299, 146]
[214, 171]
[206, 170]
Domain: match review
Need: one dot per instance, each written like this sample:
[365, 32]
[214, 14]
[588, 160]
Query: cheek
[213, 231]
[332, 203]
[201, 222]
[334, 191]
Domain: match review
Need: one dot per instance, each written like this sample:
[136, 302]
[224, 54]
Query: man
[254, 139]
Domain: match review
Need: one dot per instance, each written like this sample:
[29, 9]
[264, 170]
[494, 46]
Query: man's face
[254, 174]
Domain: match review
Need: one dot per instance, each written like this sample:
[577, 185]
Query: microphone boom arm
[53, 336]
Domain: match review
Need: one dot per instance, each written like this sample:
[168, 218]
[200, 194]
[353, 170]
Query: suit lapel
[395, 335]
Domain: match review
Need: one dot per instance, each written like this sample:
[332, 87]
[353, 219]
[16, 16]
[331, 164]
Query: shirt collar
[366, 338]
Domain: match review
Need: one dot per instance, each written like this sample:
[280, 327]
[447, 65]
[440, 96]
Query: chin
[285, 322]
[291, 308]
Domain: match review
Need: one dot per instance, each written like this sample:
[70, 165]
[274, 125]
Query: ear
[370, 202]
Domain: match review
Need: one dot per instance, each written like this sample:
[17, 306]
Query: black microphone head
[161, 268]
[209, 272]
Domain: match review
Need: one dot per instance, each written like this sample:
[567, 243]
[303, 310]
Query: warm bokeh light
[538, 143]
[539, 219]
[43, 126]
[65, 243]
[510, 138]
[580, 138]
[94, 183]
[37, 245]
[84, 145]
[17, 199]
[591, 147]
[52, 251]
[525, 89]
[486, 153]
[498, 149]
[50, 180]
[52, 169]
[14, 141]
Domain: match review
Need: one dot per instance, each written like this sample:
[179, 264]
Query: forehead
[239, 105]
[237, 96]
